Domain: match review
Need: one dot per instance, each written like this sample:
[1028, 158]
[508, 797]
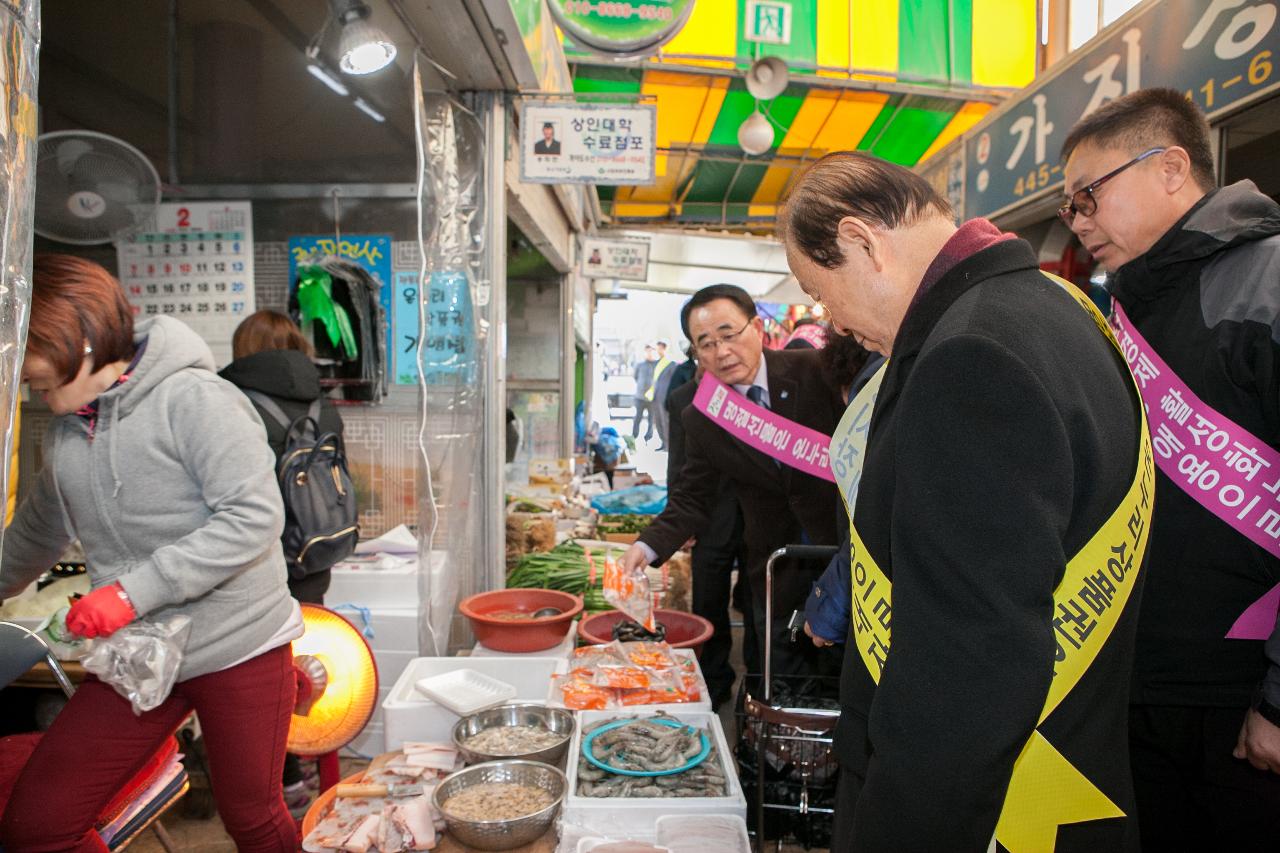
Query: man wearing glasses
[1195, 273]
[780, 504]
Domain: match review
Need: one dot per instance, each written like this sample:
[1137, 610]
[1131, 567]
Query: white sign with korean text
[568, 143]
[197, 265]
[625, 259]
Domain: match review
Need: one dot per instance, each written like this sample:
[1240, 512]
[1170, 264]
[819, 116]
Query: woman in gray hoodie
[162, 471]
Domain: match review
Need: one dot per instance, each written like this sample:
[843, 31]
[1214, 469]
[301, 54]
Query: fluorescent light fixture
[324, 76]
[364, 107]
[364, 48]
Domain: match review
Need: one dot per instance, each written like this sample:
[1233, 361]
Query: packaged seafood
[623, 675]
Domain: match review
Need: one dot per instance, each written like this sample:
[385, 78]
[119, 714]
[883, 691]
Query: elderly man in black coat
[1005, 466]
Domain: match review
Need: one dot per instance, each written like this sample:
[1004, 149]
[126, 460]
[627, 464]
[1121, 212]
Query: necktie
[756, 395]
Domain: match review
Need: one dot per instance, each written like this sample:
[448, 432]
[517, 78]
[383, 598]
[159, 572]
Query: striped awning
[892, 77]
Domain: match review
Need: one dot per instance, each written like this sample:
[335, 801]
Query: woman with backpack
[161, 470]
[273, 358]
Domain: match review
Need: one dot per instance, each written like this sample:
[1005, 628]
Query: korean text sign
[1219, 52]
[624, 259]
[565, 142]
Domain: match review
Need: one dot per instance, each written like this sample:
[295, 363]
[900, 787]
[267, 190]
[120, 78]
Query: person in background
[809, 333]
[718, 549]
[1007, 438]
[657, 395]
[274, 358]
[1197, 271]
[643, 374]
[781, 504]
[163, 472]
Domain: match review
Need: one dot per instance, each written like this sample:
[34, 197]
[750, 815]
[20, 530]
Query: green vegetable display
[564, 568]
[630, 523]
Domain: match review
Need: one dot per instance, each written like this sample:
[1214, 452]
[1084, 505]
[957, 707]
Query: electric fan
[92, 188]
[342, 706]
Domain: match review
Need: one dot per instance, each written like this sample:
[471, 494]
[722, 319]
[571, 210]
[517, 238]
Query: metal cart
[785, 745]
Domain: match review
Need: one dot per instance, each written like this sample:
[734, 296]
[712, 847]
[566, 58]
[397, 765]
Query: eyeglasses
[1083, 200]
[709, 346]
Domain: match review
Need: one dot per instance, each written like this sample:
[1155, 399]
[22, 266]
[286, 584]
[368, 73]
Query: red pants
[97, 743]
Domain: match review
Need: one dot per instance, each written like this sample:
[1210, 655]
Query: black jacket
[289, 378]
[722, 522]
[1005, 433]
[779, 503]
[1207, 298]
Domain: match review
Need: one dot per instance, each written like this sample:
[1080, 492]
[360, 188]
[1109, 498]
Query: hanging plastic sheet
[19, 46]
[452, 328]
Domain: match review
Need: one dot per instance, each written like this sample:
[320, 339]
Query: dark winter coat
[780, 505]
[1005, 433]
[1207, 298]
[293, 382]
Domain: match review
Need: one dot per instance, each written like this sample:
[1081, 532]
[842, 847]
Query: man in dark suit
[717, 549]
[548, 144]
[780, 505]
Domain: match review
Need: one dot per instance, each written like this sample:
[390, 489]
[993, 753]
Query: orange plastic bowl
[485, 612]
[684, 630]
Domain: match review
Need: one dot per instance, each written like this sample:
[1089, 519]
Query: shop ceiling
[897, 78]
[248, 110]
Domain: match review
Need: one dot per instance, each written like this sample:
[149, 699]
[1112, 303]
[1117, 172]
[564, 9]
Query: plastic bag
[637, 500]
[141, 660]
[629, 592]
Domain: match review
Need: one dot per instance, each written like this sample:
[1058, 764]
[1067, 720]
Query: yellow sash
[1045, 790]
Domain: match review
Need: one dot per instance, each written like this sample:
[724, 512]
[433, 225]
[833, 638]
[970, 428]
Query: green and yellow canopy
[897, 78]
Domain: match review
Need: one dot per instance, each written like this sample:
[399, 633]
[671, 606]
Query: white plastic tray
[465, 691]
[623, 817]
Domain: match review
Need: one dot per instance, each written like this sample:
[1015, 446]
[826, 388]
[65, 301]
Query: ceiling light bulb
[755, 135]
[364, 48]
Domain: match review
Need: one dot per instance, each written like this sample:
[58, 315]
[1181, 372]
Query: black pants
[658, 415]
[308, 590]
[1193, 795]
[643, 406]
[712, 567]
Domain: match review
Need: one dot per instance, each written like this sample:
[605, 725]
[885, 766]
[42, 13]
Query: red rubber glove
[101, 613]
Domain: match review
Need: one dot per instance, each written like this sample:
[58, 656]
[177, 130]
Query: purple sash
[1223, 466]
[777, 437]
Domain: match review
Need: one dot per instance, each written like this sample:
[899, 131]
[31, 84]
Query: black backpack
[320, 513]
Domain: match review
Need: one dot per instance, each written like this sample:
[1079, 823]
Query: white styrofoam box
[379, 581]
[394, 628]
[409, 715]
[561, 651]
[703, 834]
[371, 741]
[390, 664]
[636, 817]
[554, 696]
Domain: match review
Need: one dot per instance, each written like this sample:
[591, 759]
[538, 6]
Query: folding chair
[140, 803]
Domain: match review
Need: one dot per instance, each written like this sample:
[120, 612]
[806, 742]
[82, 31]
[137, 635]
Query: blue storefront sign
[1219, 52]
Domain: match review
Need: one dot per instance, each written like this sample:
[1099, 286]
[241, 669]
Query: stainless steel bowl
[552, 719]
[502, 834]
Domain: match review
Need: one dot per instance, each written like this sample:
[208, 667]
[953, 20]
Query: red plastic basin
[520, 635]
[684, 630]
